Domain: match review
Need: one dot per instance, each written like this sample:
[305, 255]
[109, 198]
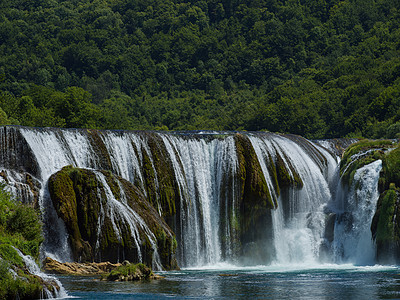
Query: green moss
[150, 178]
[361, 146]
[63, 196]
[129, 272]
[112, 183]
[385, 226]
[287, 177]
[272, 169]
[157, 165]
[391, 169]
[254, 185]
[103, 159]
[235, 225]
[23, 287]
[255, 198]
[373, 150]
[83, 193]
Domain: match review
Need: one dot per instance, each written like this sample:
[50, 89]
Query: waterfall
[299, 221]
[353, 239]
[201, 169]
[312, 213]
[120, 210]
[33, 268]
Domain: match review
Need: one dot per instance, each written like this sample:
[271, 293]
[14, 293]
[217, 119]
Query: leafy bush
[25, 220]
[20, 227]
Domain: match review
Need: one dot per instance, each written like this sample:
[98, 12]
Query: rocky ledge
[108, 271]
[74, 268]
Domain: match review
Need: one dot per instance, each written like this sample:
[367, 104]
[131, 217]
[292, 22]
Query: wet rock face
[15, 153]
[386, 226]
[108, 219]
[255, 198]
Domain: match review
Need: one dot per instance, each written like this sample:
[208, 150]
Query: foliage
[324, 68]
[20, 288]
[360, 154]
[19, 227]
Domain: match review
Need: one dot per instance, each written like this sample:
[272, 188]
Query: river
[327, 281]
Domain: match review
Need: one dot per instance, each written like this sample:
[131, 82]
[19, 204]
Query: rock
[385, 227]
[86, 199]
[131, 272]
[55, 267]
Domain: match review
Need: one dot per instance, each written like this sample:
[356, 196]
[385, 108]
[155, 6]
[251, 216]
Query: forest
[317, 68]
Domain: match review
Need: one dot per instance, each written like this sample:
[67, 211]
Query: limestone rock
[73, 268]
[108, 219]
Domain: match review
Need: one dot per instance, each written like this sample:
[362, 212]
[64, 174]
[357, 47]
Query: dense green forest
[319, 68]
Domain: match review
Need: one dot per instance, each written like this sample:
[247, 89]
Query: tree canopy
[319, 68]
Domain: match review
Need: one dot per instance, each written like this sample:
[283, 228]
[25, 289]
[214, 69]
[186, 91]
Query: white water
[56, 149]
[33, 268]
[353, 239]
[200, 168]
[298, 232]
[120, 210]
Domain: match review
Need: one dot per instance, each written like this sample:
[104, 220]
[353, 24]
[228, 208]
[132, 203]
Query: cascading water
[298, 225]
[33, 268]
[200, 168]
[356, 208]
[120, 210]
[205, 173]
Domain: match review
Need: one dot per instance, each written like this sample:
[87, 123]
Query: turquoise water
[279, 282]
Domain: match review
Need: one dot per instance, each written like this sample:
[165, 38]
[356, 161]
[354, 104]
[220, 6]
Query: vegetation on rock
[159, 165]
[255, 195]
[130, 272]
[360, 154]
[80, 200]
[391, 169]
[19, 228]
[385, 225]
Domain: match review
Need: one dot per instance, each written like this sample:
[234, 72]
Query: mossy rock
[255, 198]
[390, 169]
[360, 154]
[102, 159]
[157, 166]
[130, 272]
[287, 175]
[385, 226]
[23, 286]
[80, 200]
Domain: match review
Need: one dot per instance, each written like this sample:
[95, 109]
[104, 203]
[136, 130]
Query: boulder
[109, 219]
